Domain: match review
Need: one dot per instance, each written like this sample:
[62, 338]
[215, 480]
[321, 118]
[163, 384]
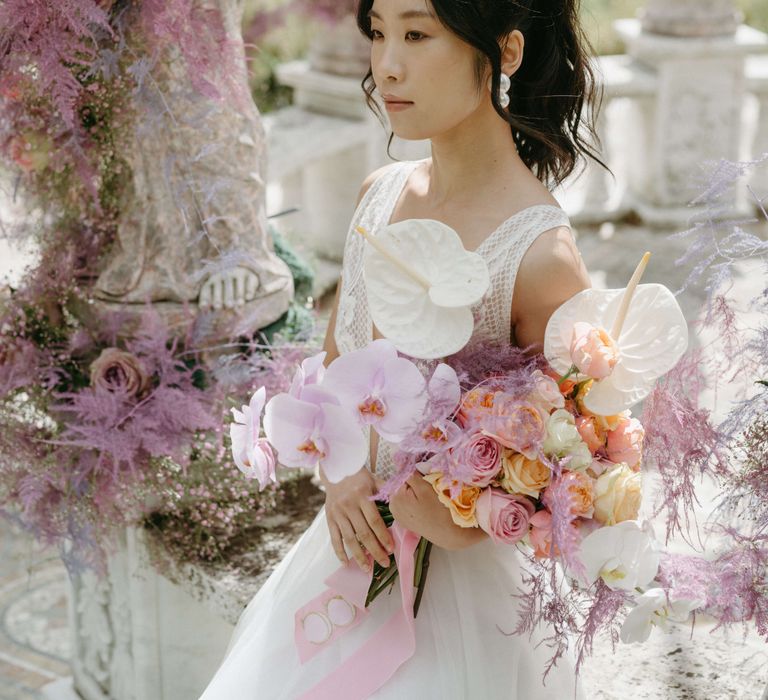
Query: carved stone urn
[690, 18]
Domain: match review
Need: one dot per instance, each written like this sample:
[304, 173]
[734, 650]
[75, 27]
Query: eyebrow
[408, 14]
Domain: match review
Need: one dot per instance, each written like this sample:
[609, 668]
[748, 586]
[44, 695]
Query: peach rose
[522, 475]
[593, 351]
[475, 404]
[547, 394]
[591, 432]
[625, 443]
[618, 494]
[582, 490]
[463, 506]
[516, 425]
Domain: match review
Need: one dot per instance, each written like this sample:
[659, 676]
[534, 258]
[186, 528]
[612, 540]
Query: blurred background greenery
[289, 40]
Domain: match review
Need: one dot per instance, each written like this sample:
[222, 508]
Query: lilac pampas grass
[681, 442]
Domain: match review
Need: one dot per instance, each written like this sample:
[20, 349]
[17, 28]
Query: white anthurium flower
[421, 283]
[625, 556]
[648, 335]
[653, 608]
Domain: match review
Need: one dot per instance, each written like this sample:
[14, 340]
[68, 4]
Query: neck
[478, 155]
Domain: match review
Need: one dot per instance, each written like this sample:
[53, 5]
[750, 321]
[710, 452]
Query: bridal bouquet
[541, 453]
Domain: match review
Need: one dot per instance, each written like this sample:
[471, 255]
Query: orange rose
[463, 506]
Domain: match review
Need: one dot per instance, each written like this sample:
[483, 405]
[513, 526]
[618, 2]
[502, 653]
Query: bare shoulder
[550, 273]
[371, 178]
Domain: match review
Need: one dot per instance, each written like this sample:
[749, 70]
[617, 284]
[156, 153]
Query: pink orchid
[309, 434]
[379, 388]
[252, 453]
[310, 373]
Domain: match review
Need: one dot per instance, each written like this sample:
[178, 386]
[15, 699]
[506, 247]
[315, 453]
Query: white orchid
[652, 608]
[648, 335]
[420, 283]
[625, 556]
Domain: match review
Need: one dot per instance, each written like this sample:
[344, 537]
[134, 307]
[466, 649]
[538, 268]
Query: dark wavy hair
[554, 98]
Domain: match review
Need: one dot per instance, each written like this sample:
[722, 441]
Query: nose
[387, 63]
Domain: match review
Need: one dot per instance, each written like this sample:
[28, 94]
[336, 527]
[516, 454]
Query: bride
[499, 88]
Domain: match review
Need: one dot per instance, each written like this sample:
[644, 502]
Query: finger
[251, 285]
[379, 527]
[366, 535]
[351, 543]
[338, 545]
[217, 285]
[240, 279]
[229, 291]
[205, 296]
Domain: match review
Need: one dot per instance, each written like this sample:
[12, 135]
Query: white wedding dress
[463, 647]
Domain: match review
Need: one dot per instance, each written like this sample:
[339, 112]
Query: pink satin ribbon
[370, 666]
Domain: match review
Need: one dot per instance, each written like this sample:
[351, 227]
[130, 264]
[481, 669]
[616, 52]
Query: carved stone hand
[229, 289]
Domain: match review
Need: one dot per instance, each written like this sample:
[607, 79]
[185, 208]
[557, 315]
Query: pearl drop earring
[504, 84]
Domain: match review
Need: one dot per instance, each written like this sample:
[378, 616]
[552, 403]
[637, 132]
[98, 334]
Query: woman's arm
[550, 273]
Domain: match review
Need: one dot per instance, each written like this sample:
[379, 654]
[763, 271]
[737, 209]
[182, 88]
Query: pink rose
[590, 432]
[482, 455]
[593, 350]
[120, 372]
[541, 534]
[503, 516]
[625, 444]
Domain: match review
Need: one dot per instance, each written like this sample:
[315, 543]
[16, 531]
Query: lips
[394, 100]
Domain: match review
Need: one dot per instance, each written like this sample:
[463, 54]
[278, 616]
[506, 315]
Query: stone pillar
[697, 49]
[137, 636]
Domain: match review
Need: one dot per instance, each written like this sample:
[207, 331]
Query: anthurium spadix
[381, 389]
[624, 339]
[421, 283]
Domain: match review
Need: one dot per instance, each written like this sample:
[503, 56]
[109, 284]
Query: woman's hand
[416, 506]
[353, 519]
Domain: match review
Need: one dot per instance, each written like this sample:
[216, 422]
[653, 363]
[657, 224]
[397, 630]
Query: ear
[512, 52]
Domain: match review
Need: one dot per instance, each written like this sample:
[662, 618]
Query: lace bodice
[503, 250]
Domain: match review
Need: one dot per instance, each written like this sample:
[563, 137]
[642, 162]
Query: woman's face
[424, 73]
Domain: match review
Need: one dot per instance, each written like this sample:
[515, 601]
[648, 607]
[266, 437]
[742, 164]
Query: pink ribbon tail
[370, 666]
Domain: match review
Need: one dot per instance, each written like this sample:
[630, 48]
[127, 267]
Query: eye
[376, 34]
[415, 36]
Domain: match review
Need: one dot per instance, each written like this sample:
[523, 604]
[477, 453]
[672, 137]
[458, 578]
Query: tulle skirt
[464, 645]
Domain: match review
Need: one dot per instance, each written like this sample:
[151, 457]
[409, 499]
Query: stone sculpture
[193, 235]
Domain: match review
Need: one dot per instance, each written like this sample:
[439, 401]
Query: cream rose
[563, 439]
[618, 494]
[521, 475]
[463, 506]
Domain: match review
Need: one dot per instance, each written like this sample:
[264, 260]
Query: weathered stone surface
[194, 207]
